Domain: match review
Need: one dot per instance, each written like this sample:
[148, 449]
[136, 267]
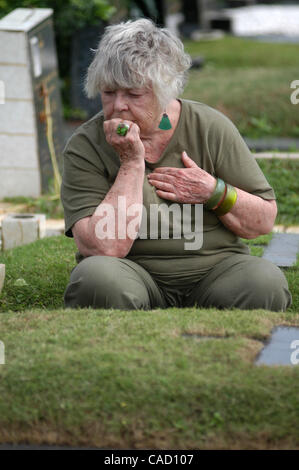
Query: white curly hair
[137, 54]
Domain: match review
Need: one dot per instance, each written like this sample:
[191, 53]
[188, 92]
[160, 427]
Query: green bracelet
[228, 202]
[216, 196]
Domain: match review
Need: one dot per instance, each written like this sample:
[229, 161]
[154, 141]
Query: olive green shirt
[211, 140]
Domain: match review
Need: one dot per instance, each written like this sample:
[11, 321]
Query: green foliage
[69, 17]
[47, 204]
[74, 113]
[261, 124]
[283, 177]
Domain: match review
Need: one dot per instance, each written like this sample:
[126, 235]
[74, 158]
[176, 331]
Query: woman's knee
[269, 286]
[246, 282]
[96, 271]
[105, 282]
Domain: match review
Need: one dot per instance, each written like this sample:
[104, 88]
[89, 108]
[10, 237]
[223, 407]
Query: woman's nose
[120, 102]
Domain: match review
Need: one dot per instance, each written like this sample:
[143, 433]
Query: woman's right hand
[129, 147]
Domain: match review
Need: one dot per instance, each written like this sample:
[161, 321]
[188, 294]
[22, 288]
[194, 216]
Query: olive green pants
[240, 281]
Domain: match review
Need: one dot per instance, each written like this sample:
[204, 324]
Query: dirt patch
[95, 436]
[244, 441]
[249, 350]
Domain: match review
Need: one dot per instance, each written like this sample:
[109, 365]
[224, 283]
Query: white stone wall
[19, 162]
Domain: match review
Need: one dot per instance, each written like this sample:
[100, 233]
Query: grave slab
[282, 348]
[282, 249]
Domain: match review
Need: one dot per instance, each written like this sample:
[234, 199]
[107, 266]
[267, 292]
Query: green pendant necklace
[165, 123]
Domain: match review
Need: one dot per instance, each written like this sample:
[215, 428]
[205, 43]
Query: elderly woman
[147, 149]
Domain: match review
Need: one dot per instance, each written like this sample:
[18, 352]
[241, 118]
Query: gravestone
[282, 249]
[84, 42]
[196, 16]
[30, 118]
[282, 348]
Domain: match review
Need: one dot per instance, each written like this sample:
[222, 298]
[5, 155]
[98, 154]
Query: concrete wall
[19, 164]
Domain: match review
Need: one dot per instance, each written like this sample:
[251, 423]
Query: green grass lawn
[237, 52]
[133, 380]
[249, 81]
[283, 176]
[136, 379]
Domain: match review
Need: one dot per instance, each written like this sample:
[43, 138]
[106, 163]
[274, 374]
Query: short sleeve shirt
[209, 138]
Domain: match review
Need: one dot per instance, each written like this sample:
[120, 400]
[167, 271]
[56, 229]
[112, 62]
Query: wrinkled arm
[106, 232]
[251, 216]
[86, 232]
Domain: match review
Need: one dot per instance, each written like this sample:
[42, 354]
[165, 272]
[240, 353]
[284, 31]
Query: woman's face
[138, 105]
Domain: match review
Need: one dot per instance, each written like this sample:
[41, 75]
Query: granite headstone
[32, 104]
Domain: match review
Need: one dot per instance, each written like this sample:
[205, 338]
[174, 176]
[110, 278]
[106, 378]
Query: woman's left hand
[189, 185]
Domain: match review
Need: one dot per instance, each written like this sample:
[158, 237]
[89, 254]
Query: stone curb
[53, 226]
[283, 156]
